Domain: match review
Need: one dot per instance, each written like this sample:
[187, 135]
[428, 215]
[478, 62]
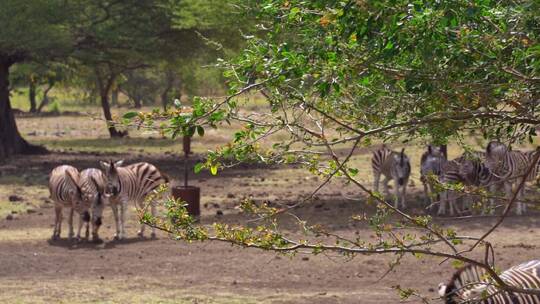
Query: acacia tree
[341, 74]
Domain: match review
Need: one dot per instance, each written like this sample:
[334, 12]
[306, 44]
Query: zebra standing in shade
[472, 284]
[431, 163]
[65, 192]
[509, 166]
[130, 183]
[92, 183]
[393, 165]
[475, 172]
[456, 171]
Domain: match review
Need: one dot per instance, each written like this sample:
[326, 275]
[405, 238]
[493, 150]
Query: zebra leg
[404, 193]
[376, 179]
[522, 196]
[70, 223]
[397, 198]
[519, 204]
[141, 231]
[427, 197]
[114, 208]
[508, 191]
[442, 203]
[153, 210]
[123, 207]
[385, 186]
[81, 222]
[57, 221]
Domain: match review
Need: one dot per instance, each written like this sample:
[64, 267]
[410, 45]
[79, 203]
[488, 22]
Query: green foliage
[54, 107]
[340, 75]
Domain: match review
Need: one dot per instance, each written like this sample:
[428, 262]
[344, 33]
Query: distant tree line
[144, 49]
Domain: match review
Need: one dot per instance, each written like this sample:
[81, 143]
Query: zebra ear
[429, 149]
[488, 148]
[119, 163]
[104, 165]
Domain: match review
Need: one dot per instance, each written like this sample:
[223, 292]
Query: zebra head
[495, 154]
[468, 170]
[402, 168]
[112, 187]
[468, 285]
[97, 203]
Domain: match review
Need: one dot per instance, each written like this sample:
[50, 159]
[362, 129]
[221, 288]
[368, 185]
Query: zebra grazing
[130, 183]
[393, 165]
[66, 192]
[509, 166]
[92, 184]
[472, 284]
[431, 164]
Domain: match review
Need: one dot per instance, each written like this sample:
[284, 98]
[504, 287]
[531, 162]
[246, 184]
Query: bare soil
[34, 269]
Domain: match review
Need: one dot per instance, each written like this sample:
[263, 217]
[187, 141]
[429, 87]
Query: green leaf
[130, 115]
[213, 169]
[198, 167]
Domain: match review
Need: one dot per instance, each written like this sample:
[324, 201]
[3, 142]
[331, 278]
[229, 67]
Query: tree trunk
[165, 98]
[114, 97]
[45, 99]
[165, 94]
[137, 102]
[32, 96]
[104, 86]
[11, 141]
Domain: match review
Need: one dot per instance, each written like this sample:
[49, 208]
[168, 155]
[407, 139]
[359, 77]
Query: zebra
[469, 170]
[130, 183]
[475, 172]
[393, 165]
[92, 182]
[65, 192]
[431, 163]
[509, 166]
[472, 284]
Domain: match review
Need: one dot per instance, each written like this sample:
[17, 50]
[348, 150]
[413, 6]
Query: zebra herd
[89, 191]
[498, 168]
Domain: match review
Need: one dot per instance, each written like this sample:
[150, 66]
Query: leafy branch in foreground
[340, 75]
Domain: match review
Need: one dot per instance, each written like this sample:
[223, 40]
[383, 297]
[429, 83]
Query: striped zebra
[472, 284]
[393, 165]
[130, 183]
[92, 183]
[66, 192]
[509, 166]
[431, 163]
[475, 172]
[469, 170]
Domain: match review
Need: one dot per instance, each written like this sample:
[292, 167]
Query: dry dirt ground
[36, 270]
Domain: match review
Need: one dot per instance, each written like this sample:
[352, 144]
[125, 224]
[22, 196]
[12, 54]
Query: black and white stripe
[468, 170]
[509, 166]
[393, 165]
[472, 284]
[65, 192]
[92, 182]
[130, 183]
